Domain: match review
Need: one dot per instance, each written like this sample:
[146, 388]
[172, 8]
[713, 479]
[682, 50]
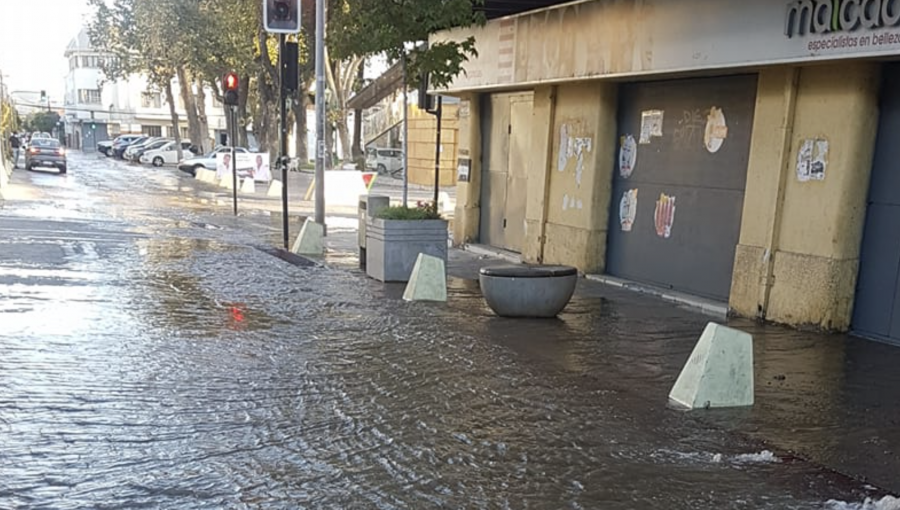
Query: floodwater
[151, 356]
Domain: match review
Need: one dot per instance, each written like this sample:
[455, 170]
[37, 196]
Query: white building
[97, 109]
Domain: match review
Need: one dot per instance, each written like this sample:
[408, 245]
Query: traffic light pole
[320, 113]
[285, 224]
[234, 179]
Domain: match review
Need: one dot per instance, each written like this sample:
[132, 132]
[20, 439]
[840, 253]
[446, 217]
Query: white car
[208, 161]
[384, 161]
[165, 155]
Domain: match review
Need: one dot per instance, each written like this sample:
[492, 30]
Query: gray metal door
[690, 141]
[506, 136]
[876, 312]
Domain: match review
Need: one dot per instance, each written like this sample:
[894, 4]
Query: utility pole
[405, 133]
[320, 112]
[283, 96]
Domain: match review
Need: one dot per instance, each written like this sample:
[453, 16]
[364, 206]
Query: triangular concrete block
[207, 175]
[719, 372]
[274, 189]
[227, 182]
[428, 281]
[248, 186]
[311, 239]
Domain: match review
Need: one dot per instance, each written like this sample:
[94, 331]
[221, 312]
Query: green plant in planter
[408, 213]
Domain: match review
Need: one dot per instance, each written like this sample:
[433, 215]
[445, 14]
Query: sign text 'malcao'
[824, 16]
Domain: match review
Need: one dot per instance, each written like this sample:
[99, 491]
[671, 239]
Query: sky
[32, 43]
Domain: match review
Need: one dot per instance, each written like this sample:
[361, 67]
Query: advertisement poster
[628, 209]
[716, 130]
[627, 156]
[665, 215]
[651, 125]
[248, 165]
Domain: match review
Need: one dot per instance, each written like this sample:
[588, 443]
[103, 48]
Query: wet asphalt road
[152, 357]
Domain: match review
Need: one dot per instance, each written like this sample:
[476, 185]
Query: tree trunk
[344, 137]
[300, 128]
[358, 153]
[173, 111]
[201, 114]
[190, 106]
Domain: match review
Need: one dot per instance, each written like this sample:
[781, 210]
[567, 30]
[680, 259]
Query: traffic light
[282, 16]
[230, 85]
[43, 95]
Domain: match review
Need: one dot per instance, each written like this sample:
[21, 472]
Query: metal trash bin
[369, 205]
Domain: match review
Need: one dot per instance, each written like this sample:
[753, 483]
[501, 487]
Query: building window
[152, 130]
[151, 100]
[185, 134]
[89, 96]
[91, 62]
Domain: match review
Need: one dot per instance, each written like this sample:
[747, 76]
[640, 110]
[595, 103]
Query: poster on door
[664, 215]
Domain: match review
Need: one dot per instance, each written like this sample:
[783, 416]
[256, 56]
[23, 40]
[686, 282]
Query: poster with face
[627, 156]
[260, 170]
[628, 209]
[665, 215]
[223, 165]
[716, 130]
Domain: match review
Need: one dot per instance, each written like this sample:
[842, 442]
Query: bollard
[428, 281]
[310, 241]
[719, 372]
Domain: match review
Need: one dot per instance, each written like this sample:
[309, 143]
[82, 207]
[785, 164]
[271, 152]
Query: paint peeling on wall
[812, 160]
[573, 147]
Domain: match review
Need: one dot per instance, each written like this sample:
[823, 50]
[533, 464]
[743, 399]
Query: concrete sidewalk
[829, 400]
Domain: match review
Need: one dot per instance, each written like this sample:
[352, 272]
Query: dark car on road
[45, 152]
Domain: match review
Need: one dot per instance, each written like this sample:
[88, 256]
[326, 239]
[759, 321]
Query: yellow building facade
[721, 150]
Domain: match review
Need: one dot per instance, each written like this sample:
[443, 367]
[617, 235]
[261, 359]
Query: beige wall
[580, 175]
[467, 216]
[422, 137]
[799, 251]
[567, 202]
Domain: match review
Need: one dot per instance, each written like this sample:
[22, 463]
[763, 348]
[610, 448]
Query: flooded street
[152, 356]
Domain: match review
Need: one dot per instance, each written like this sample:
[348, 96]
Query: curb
[716, 309]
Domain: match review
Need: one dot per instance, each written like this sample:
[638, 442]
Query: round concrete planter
[528, 291]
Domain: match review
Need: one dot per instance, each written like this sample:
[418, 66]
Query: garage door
[678, 190]
[506, 136]
[876, 312]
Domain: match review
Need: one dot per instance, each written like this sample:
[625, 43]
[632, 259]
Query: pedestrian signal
[230, 86]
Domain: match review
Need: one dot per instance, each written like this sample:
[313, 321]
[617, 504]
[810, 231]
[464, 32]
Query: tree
[44, 122]
[369, 27]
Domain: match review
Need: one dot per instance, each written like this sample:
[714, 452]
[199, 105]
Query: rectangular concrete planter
[392, 246]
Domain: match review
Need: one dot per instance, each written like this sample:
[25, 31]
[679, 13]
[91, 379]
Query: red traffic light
[231, 81]
[230, 84]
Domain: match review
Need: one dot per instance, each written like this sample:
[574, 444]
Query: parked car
[384, 161]
[45, 152]
[106, 147]
[208, 160]
[165, 155]
[118, 148]
[134, 151]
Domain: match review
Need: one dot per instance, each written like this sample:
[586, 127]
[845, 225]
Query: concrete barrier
[311, 239]
[719, 372]
[248, 186]
[428, 281]
[227, 182]
[206, 175]
[274, 189]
